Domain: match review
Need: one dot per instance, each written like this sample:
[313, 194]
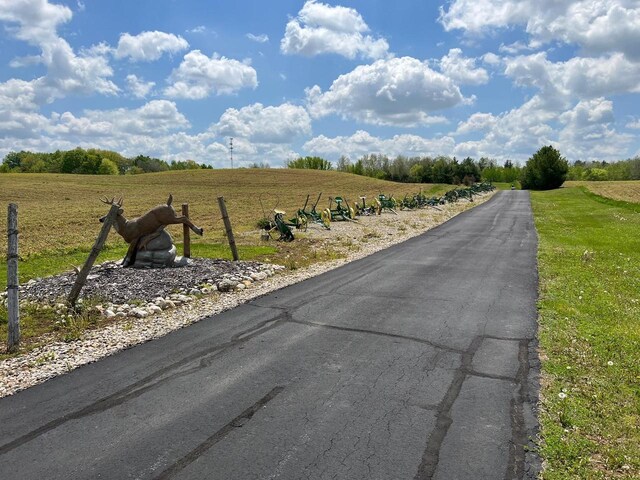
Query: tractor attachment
[364, 210]
[282, 226]
[341, 212]
[386, 203]
[312, 216]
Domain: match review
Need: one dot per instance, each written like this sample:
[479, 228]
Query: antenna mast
[231, 150]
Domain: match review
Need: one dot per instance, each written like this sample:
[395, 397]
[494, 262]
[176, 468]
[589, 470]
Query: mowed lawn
[589, 313]
[58, 214]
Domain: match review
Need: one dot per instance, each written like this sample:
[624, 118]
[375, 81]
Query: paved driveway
[415, 362]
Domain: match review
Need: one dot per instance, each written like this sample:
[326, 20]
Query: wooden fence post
[186, 244]
[227, 226]
[95, 251]
[13, 304]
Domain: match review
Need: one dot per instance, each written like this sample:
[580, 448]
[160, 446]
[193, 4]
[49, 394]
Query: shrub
[545, 170]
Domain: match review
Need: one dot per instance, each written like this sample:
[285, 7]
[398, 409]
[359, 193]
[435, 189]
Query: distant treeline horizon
[425, 169]
[90, 162]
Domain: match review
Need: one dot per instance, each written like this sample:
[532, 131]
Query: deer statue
[140, 231]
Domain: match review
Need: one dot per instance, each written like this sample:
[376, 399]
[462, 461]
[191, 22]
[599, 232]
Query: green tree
[73, 160]
[311, 163]
[545, 170]
[596, 174]
[259, 165]
[469, 169]
[634, 168]
[13, 160]
[148, 164]
[442, 171]
[510, 173]
[108, 167]
[416, 172]
[343, 164]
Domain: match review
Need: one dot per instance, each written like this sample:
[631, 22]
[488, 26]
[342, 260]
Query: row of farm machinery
[339, 209]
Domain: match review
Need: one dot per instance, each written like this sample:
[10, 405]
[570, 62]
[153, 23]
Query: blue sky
[176, 79]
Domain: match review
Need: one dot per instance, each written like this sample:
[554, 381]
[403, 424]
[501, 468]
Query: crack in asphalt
[378, 333]
[148, 383]
[516, 462]
[431, 454]
[203, 447]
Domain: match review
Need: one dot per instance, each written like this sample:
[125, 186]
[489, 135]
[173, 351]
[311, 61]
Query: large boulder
[157, 252]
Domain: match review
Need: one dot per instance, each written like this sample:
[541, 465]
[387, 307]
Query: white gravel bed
[354, 240]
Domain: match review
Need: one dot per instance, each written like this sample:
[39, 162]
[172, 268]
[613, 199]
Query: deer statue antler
[112, 201]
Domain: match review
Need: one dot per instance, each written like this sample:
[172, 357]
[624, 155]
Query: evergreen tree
[545, 170]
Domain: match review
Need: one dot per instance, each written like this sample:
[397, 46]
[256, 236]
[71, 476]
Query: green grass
[589, 313]
[610, 201]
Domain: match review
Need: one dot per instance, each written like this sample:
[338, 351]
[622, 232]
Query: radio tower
[231, 150]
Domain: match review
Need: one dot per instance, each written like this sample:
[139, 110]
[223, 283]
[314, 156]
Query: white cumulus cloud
[149, 46]
[578, 77]
[320, 28]
[67, 72]
[587, 133]
[598, 26]
[362, 142]
[477, 122]
[257, 123]
[138, 87]
[397, 91]
[154, 118]
[198, 76]
[37, 20]
[462, 69]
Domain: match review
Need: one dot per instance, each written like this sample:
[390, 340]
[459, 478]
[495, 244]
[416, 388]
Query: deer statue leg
[130, 257]
[185, 221]
[147, 238]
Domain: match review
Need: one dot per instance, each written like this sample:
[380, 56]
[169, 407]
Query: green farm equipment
[386, 203]
[312, 216]
[364, 209]
[409, 202]
[282, 226]
[341, 212]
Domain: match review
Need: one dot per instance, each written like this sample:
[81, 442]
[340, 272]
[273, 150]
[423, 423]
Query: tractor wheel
[325, 216]
[302, 223]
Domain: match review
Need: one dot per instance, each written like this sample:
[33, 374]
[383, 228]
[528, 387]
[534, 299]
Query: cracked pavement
[417, 362]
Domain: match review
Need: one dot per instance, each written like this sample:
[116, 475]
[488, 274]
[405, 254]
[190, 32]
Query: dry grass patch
[60, 212]
[627, 191]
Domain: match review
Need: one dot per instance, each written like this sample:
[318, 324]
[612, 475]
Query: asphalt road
[417, 362]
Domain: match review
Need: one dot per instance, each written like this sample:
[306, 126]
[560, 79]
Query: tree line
[443, 169]
[90, 162]
[426, 169]
[599, 171]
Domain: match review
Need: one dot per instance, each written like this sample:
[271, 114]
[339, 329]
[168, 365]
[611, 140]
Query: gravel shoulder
[195, 302]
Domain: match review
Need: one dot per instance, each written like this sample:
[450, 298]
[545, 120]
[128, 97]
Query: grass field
[58, 221]
[589, 312]
[628, 191]
[58, 214]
